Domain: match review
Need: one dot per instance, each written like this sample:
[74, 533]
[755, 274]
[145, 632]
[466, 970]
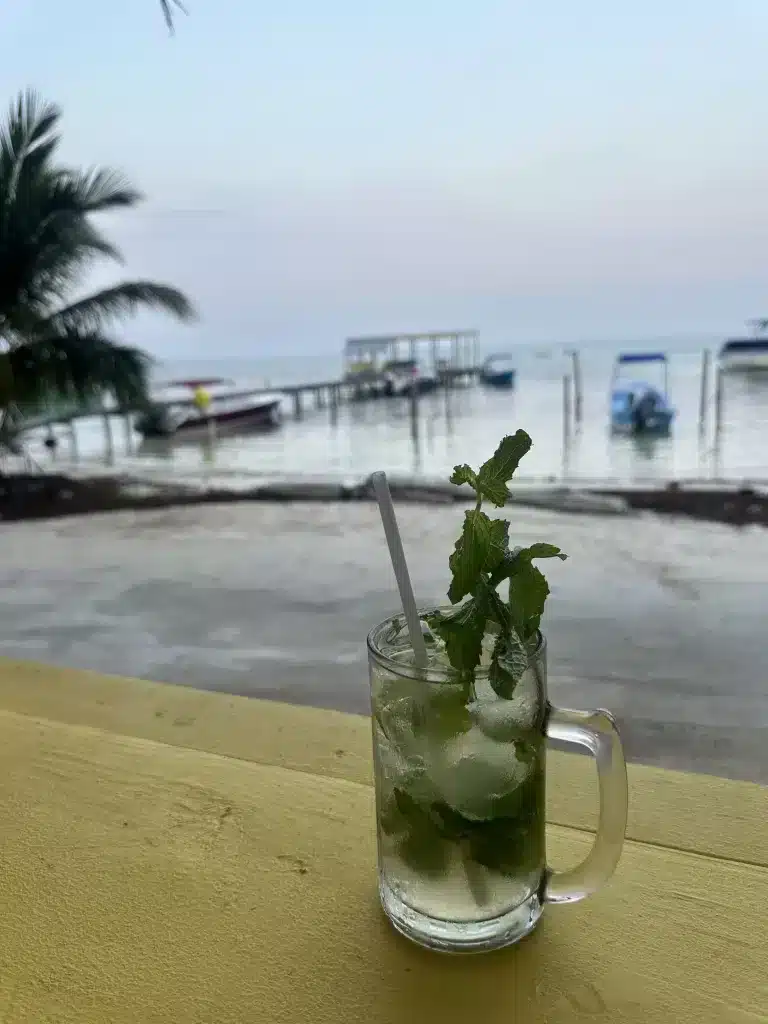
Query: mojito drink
[460, 716]
[459, 787]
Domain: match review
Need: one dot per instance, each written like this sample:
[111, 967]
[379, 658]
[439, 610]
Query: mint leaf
[423, 853]
[509, 661]
[462, 632]
[420, 844]
[496, 473]
[448, 718]
[451, 824]
[480, 548]
[525, 752]
[528, 592]
[499, 543]
[541, 551]
[411, 811]
[509, 564]
[509, 847]
[488, 600]
[464, 475]
[480, 561]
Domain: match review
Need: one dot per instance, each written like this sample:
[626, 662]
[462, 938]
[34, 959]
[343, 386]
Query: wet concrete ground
[662, 622]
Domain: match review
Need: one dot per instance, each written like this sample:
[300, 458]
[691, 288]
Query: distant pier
[450, 357]
[399, 366]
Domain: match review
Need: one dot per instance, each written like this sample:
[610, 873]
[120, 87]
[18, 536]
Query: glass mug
[460, 797]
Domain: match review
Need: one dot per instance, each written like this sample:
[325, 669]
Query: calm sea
[464, 424]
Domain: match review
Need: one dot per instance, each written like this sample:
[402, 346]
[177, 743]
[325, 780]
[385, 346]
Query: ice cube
[502, 720]
[403, 757]
[476, 774]
[504, 717]
[391, 688]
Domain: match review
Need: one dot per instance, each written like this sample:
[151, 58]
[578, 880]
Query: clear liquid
[460, 791]
[462, 892]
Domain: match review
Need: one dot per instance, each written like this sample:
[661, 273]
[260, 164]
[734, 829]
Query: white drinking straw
[396, 553]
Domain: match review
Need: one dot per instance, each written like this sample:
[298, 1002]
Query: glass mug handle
[597, 731]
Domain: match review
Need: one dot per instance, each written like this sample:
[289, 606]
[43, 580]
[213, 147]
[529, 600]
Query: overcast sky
[541, 170]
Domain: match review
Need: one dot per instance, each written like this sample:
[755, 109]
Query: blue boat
[497, 372]
[637, 406]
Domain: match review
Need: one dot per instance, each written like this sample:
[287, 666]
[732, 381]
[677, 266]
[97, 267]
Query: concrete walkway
[662, 622]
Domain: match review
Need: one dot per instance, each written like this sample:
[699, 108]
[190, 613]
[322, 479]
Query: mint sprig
[492, 478]
[480, 549]
[480, 562]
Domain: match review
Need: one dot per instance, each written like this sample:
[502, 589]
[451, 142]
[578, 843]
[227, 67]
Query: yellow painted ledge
[143, 883]
[716, 816]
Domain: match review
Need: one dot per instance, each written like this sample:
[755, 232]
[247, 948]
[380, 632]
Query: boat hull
[197, 427]
[657, 426]
[502, 381]
[743, 362]
[625, 418]
[400, 389]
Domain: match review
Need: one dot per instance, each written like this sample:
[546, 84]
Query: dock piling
[706, 358]
[718, 426]
[567, 412]
[455, 354]
[414, 404]
[212, 436]
[108, 435]
[577, 388]
[73, 439]
[128, 427]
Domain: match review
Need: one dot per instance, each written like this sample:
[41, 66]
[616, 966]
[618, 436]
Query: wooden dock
[318, 394]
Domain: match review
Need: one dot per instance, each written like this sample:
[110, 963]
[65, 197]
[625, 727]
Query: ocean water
[461, 425]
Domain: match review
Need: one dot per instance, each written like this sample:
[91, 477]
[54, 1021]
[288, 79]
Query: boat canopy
[641, 357]
[499, 357]
[745, 345]
[199, 382]
[634, 358]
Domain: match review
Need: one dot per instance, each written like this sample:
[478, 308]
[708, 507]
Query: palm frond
[46, 247]
[121, 300]
[27, 141]
[79, 367]
[99, 190]
[167, 7]
[6, 381]
[30, 127]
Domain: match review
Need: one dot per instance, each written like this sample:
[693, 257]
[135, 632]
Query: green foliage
[462, 632]
[496, 473]
[479, 549]
[480, 562]
[509, 840]
[51, 347]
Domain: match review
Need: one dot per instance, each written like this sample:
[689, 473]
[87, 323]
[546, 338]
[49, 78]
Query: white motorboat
[191, 409]
[744, 354]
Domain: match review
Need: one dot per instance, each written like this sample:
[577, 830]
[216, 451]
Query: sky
[542, 170]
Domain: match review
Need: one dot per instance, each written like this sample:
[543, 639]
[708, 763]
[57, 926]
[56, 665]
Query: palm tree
[54, 347]
[168, 10]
